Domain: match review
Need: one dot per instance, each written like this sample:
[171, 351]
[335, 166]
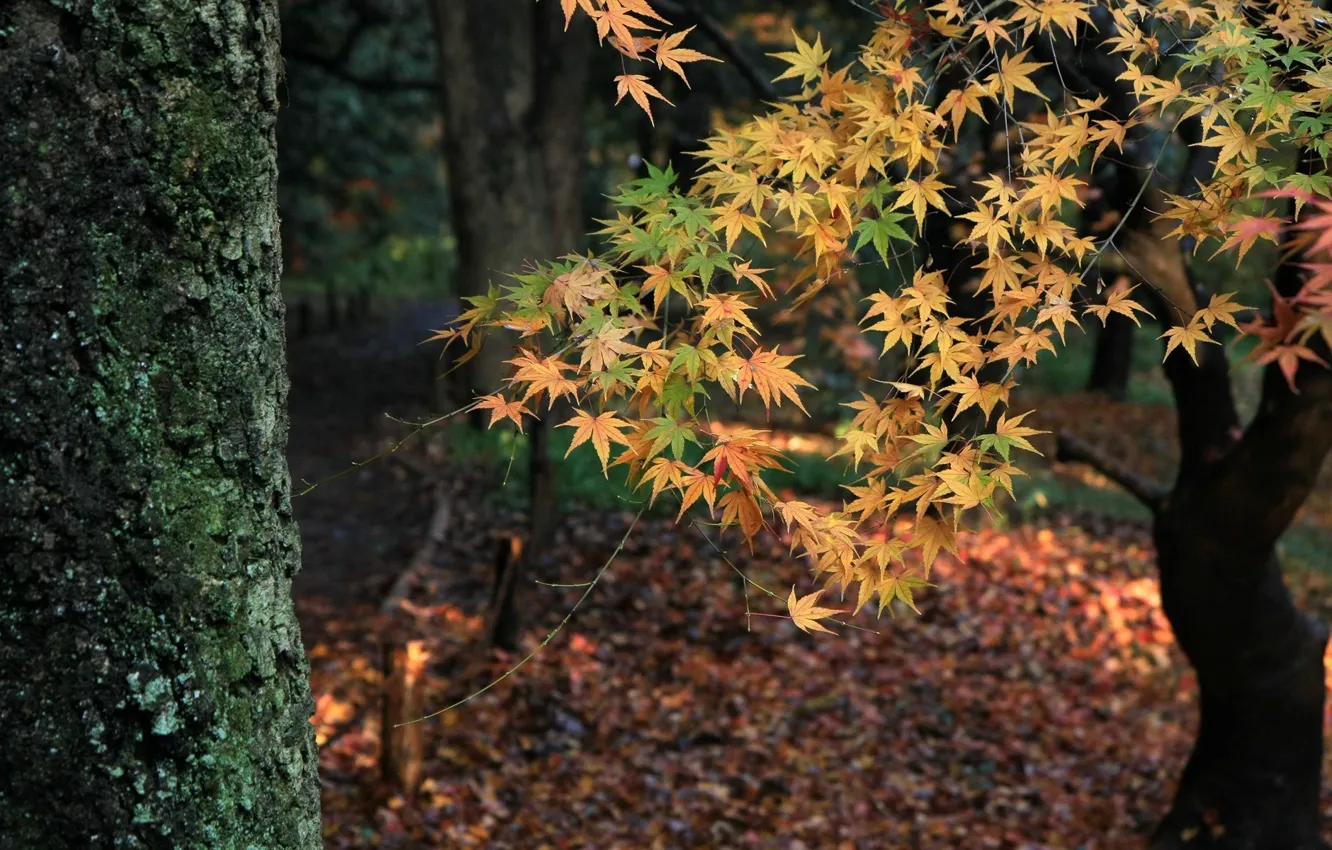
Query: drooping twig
[550, 636]
[1145, 490]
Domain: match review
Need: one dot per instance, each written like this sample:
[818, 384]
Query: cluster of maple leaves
[640, 335]
[628, 26]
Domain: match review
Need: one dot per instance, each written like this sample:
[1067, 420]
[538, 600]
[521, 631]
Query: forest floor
[1037, 701]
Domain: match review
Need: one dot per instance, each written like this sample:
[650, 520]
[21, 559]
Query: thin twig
[713, 30]
[549, 637]
[393, 447]
[721, 554]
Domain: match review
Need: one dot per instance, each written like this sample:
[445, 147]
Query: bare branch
[685, 12]
[1149, 492]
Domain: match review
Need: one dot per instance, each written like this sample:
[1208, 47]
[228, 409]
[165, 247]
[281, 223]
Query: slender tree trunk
[514, 89]
[1112, 358]
[513, 92]
[155, 688]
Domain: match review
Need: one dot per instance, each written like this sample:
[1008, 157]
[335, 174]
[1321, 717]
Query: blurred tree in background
[362, 193]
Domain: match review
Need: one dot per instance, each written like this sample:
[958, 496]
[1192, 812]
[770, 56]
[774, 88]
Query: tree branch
[686, 12]
[1149, 492]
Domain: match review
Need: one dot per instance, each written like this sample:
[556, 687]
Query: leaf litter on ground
[1037, 701]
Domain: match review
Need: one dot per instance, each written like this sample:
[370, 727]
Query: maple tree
[973, 123]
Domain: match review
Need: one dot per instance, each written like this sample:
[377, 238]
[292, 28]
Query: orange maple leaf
[503, 408]
[638, 87]
[670, 54]
[767, 372]
[601, 430]
[806, 613]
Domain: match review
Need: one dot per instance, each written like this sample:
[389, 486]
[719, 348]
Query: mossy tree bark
[155, 688]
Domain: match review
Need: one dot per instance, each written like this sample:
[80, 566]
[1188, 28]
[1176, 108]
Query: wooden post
[402, 748]
[502, 620]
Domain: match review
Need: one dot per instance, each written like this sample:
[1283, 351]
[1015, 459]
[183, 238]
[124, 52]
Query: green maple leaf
[880, 230]
[668, 432]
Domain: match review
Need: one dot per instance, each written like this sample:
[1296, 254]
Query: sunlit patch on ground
[1038, 701]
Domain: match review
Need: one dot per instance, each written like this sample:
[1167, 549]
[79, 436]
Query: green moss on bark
[148, 544]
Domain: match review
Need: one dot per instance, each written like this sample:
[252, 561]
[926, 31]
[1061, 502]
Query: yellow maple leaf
[735, 220]
[972, 392]
[617, 19]
[991, 30]
[723, 307]
[918, 193]
[744, 271]
[807, 60]
[1052, 189]
[670, 54]
[638, 87]
[1186, 336]
[739, 507]
[1015, 75]
[699, 484]
[823, 237]
[806, 613]
[1220, 309]
[1118, 301]
[988, 227]
[957, 103]
[930, 536]
[1237, 144]
[570, 5]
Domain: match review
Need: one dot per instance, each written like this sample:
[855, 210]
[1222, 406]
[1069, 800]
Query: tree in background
[358, 141]
[156, 690]
[514, 97]
[865, 156]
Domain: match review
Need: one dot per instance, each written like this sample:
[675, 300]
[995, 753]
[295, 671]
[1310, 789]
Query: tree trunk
[1252, 781]
[156, 691]
[513, 87]
[1253, 778]
[1112, 358]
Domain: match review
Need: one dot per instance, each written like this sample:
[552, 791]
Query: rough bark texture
[155, 688]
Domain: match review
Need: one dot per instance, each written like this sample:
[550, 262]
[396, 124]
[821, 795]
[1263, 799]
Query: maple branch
[1149, 492]
[713, 30]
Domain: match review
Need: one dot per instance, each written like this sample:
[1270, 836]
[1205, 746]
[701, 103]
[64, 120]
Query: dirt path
[358, 530]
